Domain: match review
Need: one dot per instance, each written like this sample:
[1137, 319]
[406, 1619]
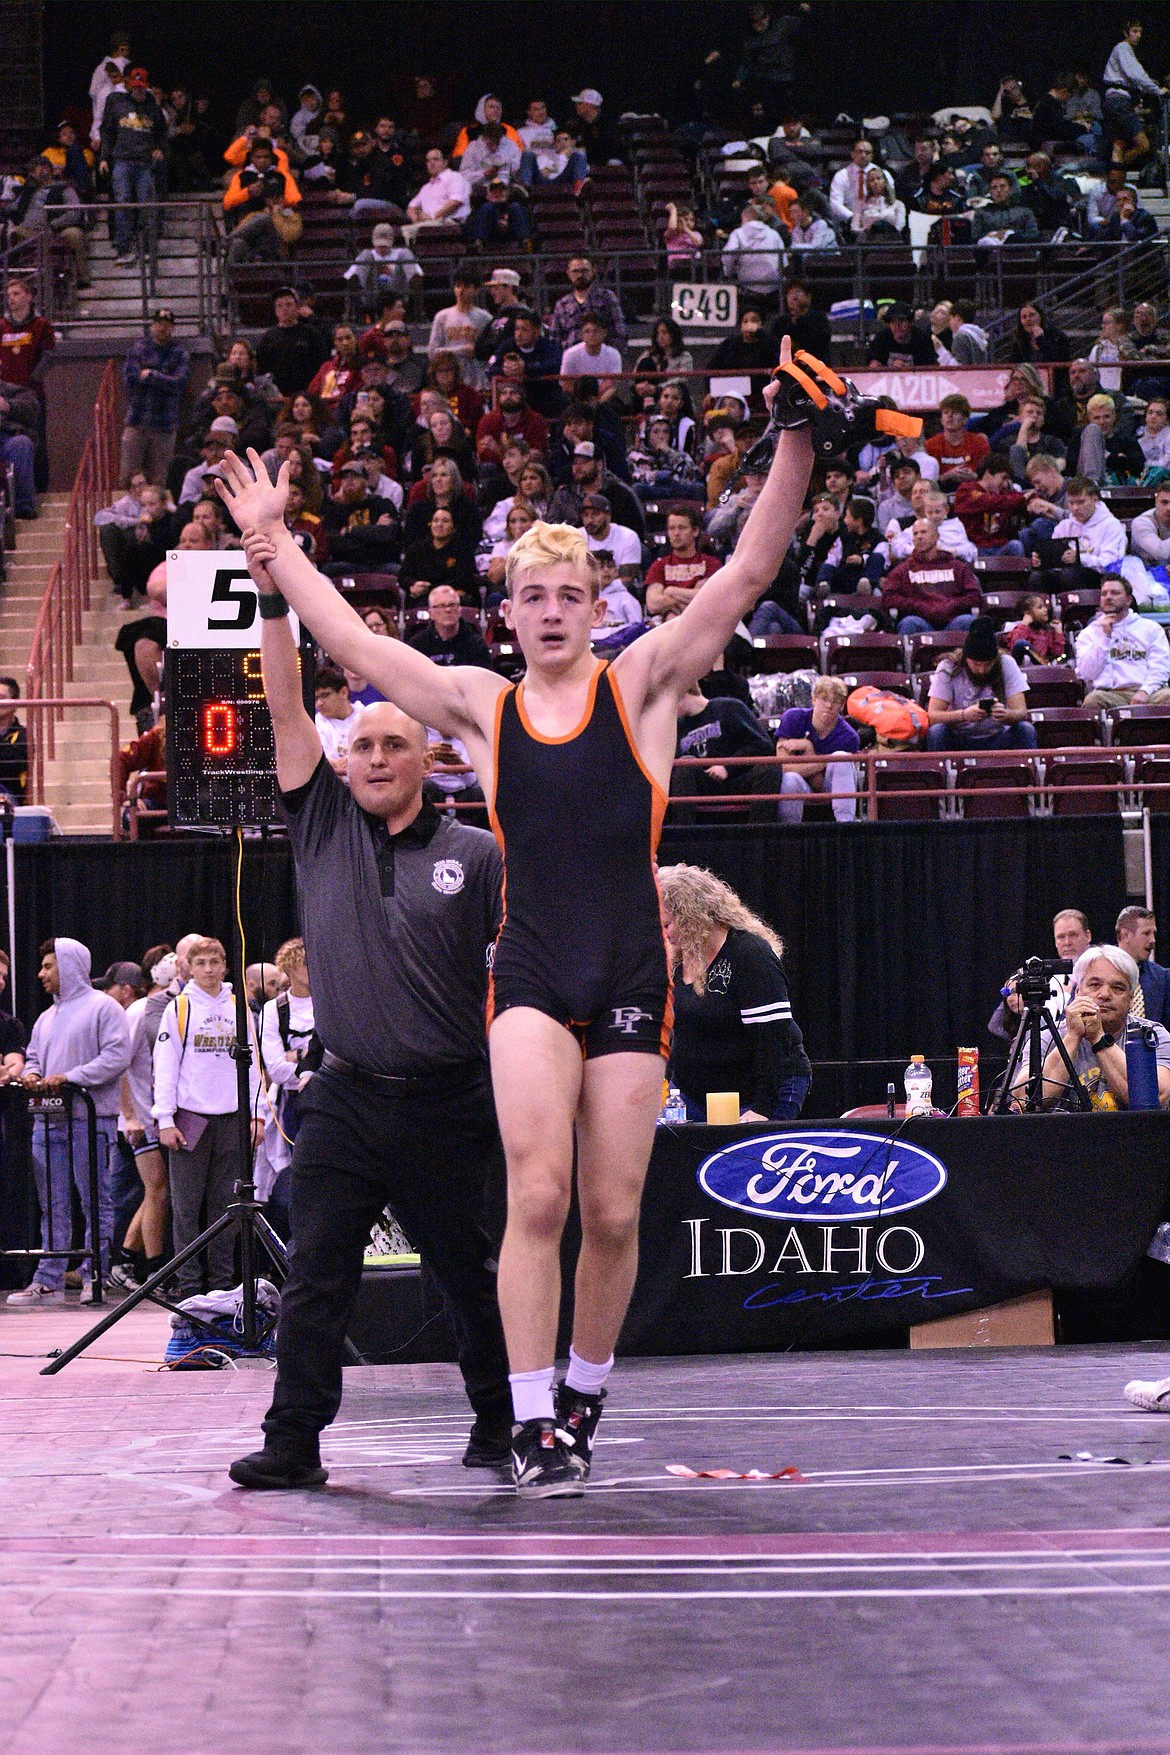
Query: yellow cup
[722, 1108]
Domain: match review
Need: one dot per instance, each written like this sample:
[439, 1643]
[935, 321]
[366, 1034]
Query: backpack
[310, 1062]
[898, 722]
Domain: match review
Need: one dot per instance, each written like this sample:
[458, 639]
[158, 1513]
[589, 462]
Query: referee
[399, 907]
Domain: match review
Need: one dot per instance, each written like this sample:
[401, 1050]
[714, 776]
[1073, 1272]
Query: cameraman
[1105, 979]
[1070, 932]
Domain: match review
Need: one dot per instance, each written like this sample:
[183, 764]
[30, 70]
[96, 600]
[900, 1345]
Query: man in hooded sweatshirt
[82, 1039]
[196, 1105]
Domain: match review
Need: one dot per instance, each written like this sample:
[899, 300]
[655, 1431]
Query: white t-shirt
[447, 186]
[335, 734]
[578, 362]
[624, 545]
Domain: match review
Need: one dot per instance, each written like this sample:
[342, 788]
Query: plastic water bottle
[674, 1109]
[919, 1084]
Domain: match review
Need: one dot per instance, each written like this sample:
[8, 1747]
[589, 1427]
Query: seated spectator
[500, 218]
[446, 638]
[1105, 454]
[260, 205]
[1146, 335]
[597, 133]
[443, 485]
[1050, 196]
[313, 426]
[848, 184]
[957, 452]
[818, 742]
[1052, 125]
[306, 121]
[805, 327]
[222, 436]
[340, 373]
[667, 355]
[45, 202]
[510, 418]
[913, 177]
[72, 160]
[1123, 656]
[714, 730]
[534, 360]
[898, 343]
[928, 502]
[930, 589]
[1029, 439]
[126, 510]
[1048, 500]
[1107, 984]
[13, 743]
[141, 644]
[1036, 341]
[1005, 219]
[591, 357]
[659, 469]
[674, 405]
[1105, 204]
[363, 533]
[1096, 541]
[439, 558]
[443, 200]
[489, 113]
[992, 510]
[876, 214]
[19, 420]
[385, 270]
[725, 523]
[491, 157]
[904, 474]
[445, 373]
[498, 483]
[443, 436]
[132, 552]
[601, 532]
[753, 257]
[751, 350]
[1111, 347]
[519, 518]
[555, 159]
[619, 607]
[456, 328]
[969, 343]
[1149, 534]
[376, 184]
[326, 171]
[589, 474]
[977, 697]
[363, 436]
[808, 230]
[682, 239]
[308, 529]
[859, 566]
[673, 579]
[584, 295]
[1036, 638]
[336, 717]
[940, 193]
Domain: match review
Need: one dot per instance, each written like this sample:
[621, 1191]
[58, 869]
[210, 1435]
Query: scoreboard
[221, 756]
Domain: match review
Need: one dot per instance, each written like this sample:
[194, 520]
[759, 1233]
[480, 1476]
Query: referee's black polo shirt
[397, 929]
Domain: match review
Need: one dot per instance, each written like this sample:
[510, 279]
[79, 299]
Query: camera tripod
[1035, 1020]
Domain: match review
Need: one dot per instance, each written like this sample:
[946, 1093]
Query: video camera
[1033, 980]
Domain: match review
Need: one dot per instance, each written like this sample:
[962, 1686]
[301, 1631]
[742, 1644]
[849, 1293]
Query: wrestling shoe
[488, 1447]
[541, 1465]
[1152, 1394]
[276, 1469]
[577, 1417]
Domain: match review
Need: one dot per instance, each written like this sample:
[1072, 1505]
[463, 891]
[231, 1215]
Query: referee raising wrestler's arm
[399, 907]
[576, 761]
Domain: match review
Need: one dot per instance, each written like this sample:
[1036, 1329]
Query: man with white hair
[1105, 980]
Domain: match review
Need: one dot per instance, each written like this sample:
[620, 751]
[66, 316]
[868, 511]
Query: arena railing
[68, 595]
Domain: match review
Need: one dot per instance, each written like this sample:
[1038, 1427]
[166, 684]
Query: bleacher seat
[1153, 771]
[1058, 727]
[783, 652]
[1003, 607]
[1066, 776]
[1076, 609]
[1054, 685]
[895, 776]
[363, 589]
[862, 652]
[927, 649]
[1126, 726]
[982, 771]
[1008, 568]
[844, 603]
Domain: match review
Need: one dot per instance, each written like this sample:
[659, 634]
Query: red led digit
[219, 728]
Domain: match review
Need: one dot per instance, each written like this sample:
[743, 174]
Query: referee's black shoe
[577, 1418]
[488, 1447]
[278, 1468]
[541, 1465]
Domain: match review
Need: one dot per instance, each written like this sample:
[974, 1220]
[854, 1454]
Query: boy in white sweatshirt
[196, 1106]
[1124, 656]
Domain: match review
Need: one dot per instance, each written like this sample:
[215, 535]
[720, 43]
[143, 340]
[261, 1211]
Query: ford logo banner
[822, 1177]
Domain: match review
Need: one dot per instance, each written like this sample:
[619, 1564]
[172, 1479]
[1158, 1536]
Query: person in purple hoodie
[82, 1039]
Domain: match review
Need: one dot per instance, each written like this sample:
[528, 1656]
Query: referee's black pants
[428, 1155]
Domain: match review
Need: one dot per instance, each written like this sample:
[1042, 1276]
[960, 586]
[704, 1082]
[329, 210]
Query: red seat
[507, 657]
[862, 652]
[981, 771]
[1002, 567]
[783, 652]
[846, 603]
[927, 649]
[1054, 685]
[1003, 606]
[1076, 609]
[1126, 726]
[895, 776]
[1066, 776]
[1154, 771]
[1058, 727]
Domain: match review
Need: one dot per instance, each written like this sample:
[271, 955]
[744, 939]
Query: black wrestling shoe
[488, 1447]
[541, 1465]
[577, 1417]
[277, 1468]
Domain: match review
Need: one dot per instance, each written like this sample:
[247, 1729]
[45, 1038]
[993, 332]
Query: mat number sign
[697, 305]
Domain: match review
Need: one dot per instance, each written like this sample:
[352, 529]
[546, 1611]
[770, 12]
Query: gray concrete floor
[939, 1581]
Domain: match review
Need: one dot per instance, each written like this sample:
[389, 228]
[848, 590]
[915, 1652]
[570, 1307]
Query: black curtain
[898, 936]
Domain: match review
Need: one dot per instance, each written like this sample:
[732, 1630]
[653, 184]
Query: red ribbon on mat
[788, 1474]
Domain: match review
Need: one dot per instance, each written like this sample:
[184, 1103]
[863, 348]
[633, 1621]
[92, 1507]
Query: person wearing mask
[82, 1039]
[733, 1023]
[977, 698]
[196, 1106]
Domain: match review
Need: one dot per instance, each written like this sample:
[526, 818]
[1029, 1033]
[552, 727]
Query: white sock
[584, 1376]
[532, 1394]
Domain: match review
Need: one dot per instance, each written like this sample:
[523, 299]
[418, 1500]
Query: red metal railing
[69, 592]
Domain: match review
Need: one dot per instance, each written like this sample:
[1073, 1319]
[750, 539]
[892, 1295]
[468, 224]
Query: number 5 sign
[212, 604]
[699, 305]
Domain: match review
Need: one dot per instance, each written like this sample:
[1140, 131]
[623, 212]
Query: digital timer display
[221, 755]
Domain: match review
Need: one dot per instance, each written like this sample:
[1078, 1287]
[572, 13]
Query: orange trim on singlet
[590, 700]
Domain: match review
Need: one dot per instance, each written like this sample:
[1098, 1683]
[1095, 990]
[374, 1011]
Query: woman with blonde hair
[733, 1024]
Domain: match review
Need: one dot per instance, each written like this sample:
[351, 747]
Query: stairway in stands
[77, 784]
[112, 306]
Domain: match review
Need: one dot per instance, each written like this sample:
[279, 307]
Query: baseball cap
[383, 234]
[164, 314]
[138, 78]
[585, 449]
[285, 292]
[497, 183]
[120, 975]
[503, 277]
[352, 469]
[595, 502]
[588, 96]
[223, 423]
[164, 971]
[396, 327]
